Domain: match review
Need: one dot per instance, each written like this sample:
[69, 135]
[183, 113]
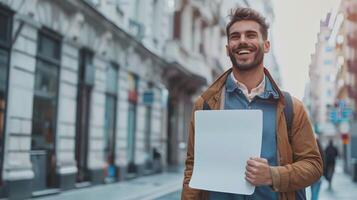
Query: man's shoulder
[298, 107]
[198, 103]
[216, 86]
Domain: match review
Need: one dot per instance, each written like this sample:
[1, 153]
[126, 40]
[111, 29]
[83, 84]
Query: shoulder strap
[289, 116]
[288, 112]
[206, 106]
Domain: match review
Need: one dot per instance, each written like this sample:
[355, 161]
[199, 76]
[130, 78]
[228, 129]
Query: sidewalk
[169, 184]
[343, 188]
[143, 188]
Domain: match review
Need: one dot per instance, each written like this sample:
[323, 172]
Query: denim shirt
[267, 102]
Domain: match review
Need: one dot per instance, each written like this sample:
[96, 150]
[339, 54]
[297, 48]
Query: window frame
[114, 96]
[45, 32]
[6, 46]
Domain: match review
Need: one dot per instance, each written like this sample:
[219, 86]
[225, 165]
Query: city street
[144, 188]
[167, 186]
[342, 189]
[98, 98]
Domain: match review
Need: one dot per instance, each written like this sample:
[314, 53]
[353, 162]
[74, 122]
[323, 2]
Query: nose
[242, 38]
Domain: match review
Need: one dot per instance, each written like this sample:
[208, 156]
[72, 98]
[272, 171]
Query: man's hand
[258, 172]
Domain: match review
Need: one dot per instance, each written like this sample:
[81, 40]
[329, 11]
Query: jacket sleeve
[187, 192]
[306, 167]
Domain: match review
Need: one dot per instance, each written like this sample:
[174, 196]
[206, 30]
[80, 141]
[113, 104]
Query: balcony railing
[352, 66]
[352, 92]
[352, 41]
[137, 29]
[352, 11]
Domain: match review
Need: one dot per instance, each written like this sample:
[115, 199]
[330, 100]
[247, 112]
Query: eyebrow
[248, 31]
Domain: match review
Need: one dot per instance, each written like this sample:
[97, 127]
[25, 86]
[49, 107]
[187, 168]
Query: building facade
[98, 91]
[83, 108]
[346, 43]
[322, 73]
[332, 84]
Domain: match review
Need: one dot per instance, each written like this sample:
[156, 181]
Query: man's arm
[307, 163]
[187, 192]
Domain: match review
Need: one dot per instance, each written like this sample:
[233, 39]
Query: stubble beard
[258, 60]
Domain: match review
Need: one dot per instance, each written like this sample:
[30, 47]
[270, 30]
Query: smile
[243, 52]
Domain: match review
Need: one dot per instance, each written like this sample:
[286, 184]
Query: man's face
[246, 46]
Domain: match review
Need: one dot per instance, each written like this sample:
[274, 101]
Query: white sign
[224, 141]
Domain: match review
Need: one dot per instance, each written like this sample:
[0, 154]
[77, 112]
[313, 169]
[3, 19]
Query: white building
[95, 91]
[85, 101]
[323, 70]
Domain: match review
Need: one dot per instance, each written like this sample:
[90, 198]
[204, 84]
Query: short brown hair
[240, 14]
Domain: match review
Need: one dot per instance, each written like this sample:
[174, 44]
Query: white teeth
[243, 52]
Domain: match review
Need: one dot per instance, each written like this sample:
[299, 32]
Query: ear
[227, 50]
[266, 46]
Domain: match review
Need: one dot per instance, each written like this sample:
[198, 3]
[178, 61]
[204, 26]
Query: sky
[297, 23]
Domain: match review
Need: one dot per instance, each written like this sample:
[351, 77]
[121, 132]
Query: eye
[251, 35]
[234, 36]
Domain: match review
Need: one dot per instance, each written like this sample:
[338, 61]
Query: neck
[250, 78]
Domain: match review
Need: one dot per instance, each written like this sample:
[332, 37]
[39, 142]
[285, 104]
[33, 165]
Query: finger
[251, 181]
[250, 169]
[261, 160]
[252, 163]
[250, 175]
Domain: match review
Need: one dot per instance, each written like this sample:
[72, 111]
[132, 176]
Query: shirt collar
[269, 91]
[232, 84]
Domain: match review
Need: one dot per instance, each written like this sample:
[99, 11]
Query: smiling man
[288, 162]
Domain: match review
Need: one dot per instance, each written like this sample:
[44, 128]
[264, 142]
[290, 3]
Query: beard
[258, 59]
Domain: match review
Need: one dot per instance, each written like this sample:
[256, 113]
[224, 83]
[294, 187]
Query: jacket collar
[213, 93]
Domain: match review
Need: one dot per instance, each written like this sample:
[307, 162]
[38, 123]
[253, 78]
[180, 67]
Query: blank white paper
[224, 141]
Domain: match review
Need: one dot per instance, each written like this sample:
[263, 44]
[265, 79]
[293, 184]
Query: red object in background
[133, 97]
[345, 138]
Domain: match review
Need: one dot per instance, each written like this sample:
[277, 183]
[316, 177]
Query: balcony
[351, 11]
[352, 92]
[352, 66]
[137, 29]
[352, 41]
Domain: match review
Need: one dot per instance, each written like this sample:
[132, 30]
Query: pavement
[143, 188]
[343, 188]
[167, 186]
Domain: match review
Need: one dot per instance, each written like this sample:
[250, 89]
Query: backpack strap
[206, 106]
[289, 116]
[288, 112]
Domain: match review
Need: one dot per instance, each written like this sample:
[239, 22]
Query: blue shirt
[267, 102]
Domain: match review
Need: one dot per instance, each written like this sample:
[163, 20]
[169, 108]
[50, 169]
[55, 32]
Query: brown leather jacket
[300, 162]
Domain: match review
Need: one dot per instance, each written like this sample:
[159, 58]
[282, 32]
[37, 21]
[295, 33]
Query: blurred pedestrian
[315, 187]
[331, 154]
[290, 159]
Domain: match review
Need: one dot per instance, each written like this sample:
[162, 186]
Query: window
[328, 49]
[148, 113]
[327, 62]
[86, 74]
[46, 91]
[132, 98]
[6, 26]
[148, 99]
[110, 116]
[5, 45]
